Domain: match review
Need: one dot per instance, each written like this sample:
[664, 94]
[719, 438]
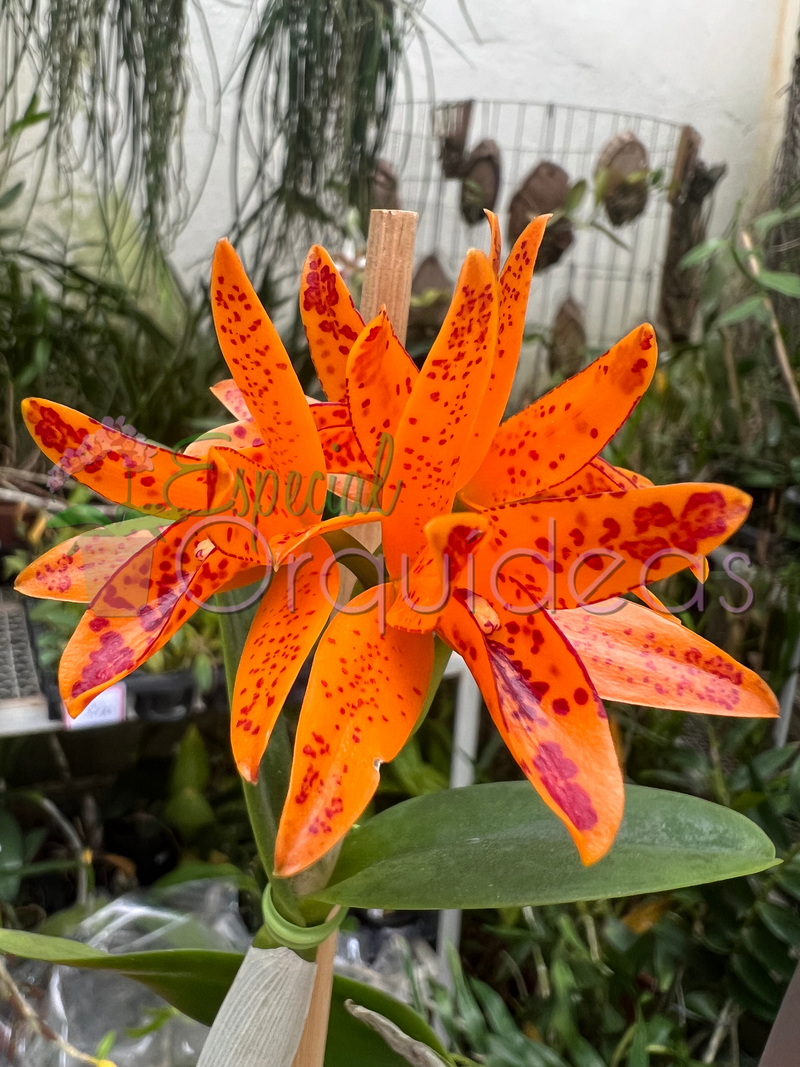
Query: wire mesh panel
[617, 287]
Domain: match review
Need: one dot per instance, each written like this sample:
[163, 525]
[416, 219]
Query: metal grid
[18, 676]
[616, 287]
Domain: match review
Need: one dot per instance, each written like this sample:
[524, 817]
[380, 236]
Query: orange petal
[343, 453]
[364, 695]
[549, 441]
[242, 434]
[438, 415]
[285, 543]
[288, 622]
[331, 321]
[496, 240]
[515, 283]
[425, 590]
[380, 377]
[325, 415]
[596, 547]
[638, 657]
[76, 569]
[264, 373]
[119, 467]
[257, 506]
[597, 476]
[139, 609]
[230, 396]
[550, 717]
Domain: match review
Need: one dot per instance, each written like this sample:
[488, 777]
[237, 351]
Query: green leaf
[352, 1042]
[762, 224]
[79, 515]
[781, 922]
[10, 195]
[191, 767]
[574, 197]
[752, 308]
[701, 253]
[11, 849]
[769, 951]
[188, 812]
[780, 281]
[193, 980]
[497, 845]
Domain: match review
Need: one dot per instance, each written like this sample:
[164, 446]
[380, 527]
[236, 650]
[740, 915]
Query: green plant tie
[297, 938]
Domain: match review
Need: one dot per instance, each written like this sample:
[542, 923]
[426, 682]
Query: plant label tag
[107, 707]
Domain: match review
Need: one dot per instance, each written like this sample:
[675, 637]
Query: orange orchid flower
[532, 498]
[495, 538]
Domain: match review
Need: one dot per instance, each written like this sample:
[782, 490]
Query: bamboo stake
[387, 282]
[390, 264]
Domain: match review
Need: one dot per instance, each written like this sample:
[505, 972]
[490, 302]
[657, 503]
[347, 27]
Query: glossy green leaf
[351, 1042]
[497, 845]
[194, 981]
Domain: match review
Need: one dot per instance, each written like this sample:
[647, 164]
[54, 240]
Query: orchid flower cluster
[512, 542]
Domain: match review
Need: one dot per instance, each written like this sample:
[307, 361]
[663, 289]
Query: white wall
[720, 65]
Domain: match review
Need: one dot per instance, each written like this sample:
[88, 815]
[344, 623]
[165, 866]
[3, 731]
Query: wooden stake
[387, 281]
[390, 265]
[311, 1050]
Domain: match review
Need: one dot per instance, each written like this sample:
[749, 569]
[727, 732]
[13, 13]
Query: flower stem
[264, 800]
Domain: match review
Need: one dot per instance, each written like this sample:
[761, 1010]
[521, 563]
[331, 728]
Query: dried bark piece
[481, 182]
[543, 191]
[621, 172]
[451, 125]
[568, 343]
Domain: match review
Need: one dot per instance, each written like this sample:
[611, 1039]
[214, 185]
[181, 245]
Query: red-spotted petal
[440, 412]
[244, 434]
[120, 467]
[639, 657]
[563, 553]
[380, 377]
[496, 241]
[139, 608]
[288, 622]
[425, 587]
[231, 397]
[331, 321]
[367, 688]
[77, 569]
[549, 715]
[264, 373]
[552, 439]
[515, 283]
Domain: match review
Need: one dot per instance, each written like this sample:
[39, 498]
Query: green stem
[264, 800]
